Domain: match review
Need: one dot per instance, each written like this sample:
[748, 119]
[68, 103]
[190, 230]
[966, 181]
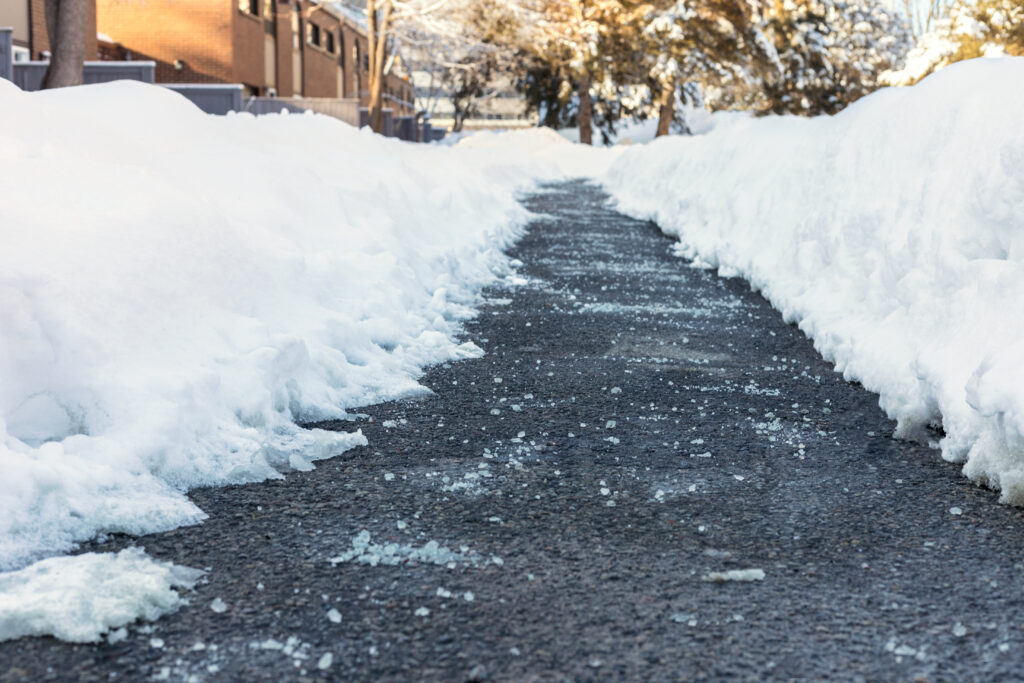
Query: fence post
[7, 53]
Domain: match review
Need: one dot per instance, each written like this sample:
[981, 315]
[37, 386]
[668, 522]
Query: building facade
[280, 48]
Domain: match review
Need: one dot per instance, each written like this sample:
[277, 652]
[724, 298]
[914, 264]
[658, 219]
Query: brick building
[28, 19]
[273, 47]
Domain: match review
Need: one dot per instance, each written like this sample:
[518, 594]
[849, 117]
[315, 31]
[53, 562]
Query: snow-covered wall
[892, 233]
[177, 290]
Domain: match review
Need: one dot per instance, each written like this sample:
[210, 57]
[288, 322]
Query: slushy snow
[892, 233]
[80, 598]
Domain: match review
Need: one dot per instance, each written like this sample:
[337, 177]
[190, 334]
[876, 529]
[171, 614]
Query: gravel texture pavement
[580, 502]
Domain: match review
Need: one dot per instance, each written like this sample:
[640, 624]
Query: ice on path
[365, 551]
[735, 575]
[80, 598]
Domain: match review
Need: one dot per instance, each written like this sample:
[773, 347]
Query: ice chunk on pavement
[334, 616]
[365, 551]
[219, 606]
[422, 612]
[735, 575]
[80, 598]
[324, 663]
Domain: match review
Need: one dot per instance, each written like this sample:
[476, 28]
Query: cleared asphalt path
[636, 426]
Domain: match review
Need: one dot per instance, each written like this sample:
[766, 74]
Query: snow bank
[80, 598]
[892, 233]
[178, 290]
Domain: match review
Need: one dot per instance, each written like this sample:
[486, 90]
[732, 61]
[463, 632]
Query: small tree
[971, 29]
[702, 43]
[572, 35]
[67, 25]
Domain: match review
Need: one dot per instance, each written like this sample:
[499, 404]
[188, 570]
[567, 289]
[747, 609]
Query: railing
[346, 110]
[29, 75]
[6, 53]
[213, 98]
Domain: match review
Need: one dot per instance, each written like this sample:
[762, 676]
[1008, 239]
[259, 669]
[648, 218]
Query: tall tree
[571, 35]
[67, 25]
[700, 42]
[378, 19]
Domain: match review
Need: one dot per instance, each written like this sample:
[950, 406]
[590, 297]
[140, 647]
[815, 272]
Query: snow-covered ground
[892, 233]
[178, 291]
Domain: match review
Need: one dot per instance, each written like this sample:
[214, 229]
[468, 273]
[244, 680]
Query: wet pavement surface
[567, 506]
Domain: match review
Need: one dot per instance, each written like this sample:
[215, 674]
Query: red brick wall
[198, 32]
[285, 87]
[319, 67]
[353, 83]
[248, 48]
[38, 38]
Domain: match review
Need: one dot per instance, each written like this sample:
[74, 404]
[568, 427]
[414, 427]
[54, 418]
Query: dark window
[314, 34]
[270, 16]
[250, 7]
[330, 41]
[366, 62]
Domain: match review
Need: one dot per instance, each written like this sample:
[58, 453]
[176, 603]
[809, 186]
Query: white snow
[80, 598]
[735, 575]
[194, 293]
[892, 233]
[178, 291]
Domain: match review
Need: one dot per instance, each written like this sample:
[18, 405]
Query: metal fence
[29, 75]
[212, 98]
[407, 129]
[387, 125]
[346, 110]
[6, 52]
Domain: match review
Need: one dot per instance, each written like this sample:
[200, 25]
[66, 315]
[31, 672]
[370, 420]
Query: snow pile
[178, 290]
[80, 598]
[892, 233]
[536, 150]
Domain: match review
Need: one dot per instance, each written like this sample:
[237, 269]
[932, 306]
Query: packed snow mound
[178, 291]
[541, 147]
[892, 233]
[81, 598]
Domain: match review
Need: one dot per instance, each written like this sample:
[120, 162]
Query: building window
[314, 34]
[249, 7]
[270, 16]
[366, 62]
[329, 46]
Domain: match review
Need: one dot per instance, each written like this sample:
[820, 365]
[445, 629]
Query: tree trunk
[67, 23]
[666, 108]
[583, 115]
[377, 39]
